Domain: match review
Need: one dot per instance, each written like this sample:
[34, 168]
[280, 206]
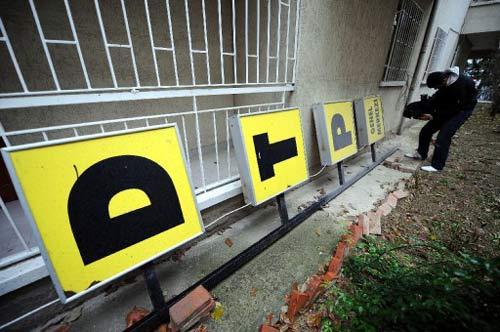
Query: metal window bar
[438, 45]
[6, 40]
[407, 26]
[46, 42]
[277, 32]
[190, 139]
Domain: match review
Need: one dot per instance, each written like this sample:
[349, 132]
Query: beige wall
[342, 50]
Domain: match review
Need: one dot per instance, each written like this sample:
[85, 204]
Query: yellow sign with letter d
[104, 205]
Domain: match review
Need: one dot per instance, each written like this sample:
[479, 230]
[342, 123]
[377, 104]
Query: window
[405, 32]
[437, 49]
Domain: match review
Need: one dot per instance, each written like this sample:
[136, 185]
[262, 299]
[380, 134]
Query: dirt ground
[458, 207]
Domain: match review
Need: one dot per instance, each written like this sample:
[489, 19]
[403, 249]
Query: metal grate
[69, 52]
[438, 46]
[225, 44]
[405, 32]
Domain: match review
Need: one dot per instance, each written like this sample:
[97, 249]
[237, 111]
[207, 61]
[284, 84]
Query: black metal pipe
[374, 152]
[160, 316]
[341, 172]
[283, 211]
[154, 288]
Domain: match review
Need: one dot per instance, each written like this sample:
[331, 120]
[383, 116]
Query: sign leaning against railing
[106, 204]
[369, 120]
[270, 151]
[335, 130]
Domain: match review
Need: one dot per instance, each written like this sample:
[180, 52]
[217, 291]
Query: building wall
[342, 51]
[483, 17]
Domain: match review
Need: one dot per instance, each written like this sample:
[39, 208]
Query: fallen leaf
[269, 318]
[314, 319]
[253, 292]
[318, 233]
[218, 311]
[228, 242]
[201, 328]
[136, 315]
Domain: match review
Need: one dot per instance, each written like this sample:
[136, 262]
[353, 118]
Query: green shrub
[416, 287]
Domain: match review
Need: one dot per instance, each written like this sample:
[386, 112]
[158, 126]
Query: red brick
[297, 301]
[335, 265]
[340, 252]
[191, 304]
[356, 232]
[314, 286]
[375, 226]
[406, 169]
[267, 328]
[400, 194]
[329, 276]
[384, 209]
[391, 200]
[364, 221]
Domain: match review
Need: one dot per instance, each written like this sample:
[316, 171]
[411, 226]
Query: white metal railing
[275, 50]
[406, 29]
[253, 51]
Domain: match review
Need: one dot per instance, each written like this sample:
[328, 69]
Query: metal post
[374, 153]
[154, 287]
[341, 172]
[282, 208]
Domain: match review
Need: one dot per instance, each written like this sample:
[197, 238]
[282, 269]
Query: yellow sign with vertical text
[374, 118]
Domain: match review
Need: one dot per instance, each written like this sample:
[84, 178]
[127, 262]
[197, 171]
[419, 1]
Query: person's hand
[425, 117]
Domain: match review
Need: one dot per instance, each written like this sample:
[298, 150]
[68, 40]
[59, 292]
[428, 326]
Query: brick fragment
[340, 252]
[267, 328]
[364, 221]
[375, 225]
[297, 301]
[392, 200]
[357, 231]
[384, 209]
[314, 286]
[335, 265]
[190, 309]
[329, 276]
[400, 194]
[406, 169]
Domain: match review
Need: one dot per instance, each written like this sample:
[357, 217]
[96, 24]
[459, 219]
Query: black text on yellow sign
[335, 130]
[369, 120]
[270, 151]
[105, 205]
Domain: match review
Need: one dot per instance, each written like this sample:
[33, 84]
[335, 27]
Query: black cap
[436, 79]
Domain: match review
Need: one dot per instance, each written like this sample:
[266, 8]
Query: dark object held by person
[418, 108]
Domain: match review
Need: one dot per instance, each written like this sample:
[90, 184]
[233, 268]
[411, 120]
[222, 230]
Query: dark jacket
[455, 98]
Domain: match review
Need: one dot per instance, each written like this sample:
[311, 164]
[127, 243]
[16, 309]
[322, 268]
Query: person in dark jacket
[452, 105]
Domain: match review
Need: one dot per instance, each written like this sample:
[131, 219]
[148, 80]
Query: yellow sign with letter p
[335, 130]
[104, 205]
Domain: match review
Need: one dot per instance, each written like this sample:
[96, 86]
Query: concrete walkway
[260, 286]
